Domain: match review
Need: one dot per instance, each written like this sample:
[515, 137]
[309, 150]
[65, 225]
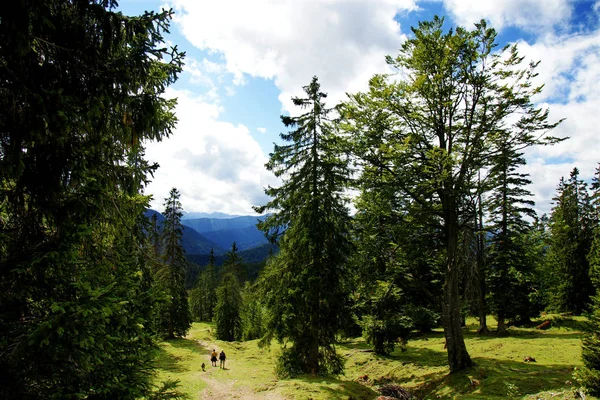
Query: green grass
[499, 373]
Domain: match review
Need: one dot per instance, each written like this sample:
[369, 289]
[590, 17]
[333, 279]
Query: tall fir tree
[203, 296]
[589, 374]
[508, 204]
[571, 235]
[82, 91]
[228, 309]
[456, 95]
[306, 291]
[235, 265]
[176, 318]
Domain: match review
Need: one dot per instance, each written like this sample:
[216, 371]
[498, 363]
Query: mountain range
[218, 233]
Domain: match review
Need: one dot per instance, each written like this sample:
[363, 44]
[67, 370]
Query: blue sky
[245, 59]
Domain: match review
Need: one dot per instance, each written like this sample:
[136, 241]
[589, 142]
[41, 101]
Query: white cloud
[530, 15]
[343, 42]
[262, 130]
[216, 166]
[569, 70]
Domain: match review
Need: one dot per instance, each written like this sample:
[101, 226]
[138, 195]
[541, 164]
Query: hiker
[213, 358]
[222, 358]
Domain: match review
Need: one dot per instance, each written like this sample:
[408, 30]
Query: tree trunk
[502, 330]
[458, 357]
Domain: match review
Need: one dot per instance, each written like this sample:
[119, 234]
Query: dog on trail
[203, 367]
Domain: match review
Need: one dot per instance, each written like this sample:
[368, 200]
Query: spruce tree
[305, 286]
[234, 264]
[203, 295]
[228, 309]
[176, 318]
[571, 235]
[589, 374]
[508, 204]
[82, 91]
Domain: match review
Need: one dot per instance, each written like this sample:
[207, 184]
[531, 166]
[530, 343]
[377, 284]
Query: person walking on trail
[222, 358]
[213, 358]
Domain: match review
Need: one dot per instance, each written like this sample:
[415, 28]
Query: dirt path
[222, 382]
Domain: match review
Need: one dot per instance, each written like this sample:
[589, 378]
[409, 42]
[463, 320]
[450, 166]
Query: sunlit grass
[499, 373]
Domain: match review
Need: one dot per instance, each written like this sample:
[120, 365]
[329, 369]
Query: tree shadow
[172, 362]
[338, 389]
[168, 362]
[490, 378]
[526, 334]
[188, 344]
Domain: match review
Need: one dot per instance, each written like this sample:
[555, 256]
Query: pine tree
[228, 318]
[176, 319]
[306, 292]
[437, 124]
[82, 91]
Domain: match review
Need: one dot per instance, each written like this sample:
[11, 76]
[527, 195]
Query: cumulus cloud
[217, 166]
[530, 15]
[343, 42]
[569, 71]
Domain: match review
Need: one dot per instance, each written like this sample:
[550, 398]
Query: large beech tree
[433, 124]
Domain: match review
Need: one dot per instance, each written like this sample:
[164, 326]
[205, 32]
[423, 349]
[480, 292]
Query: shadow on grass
[167, 361]
[172, 362]
[491, 378]
[338, 389]
[188, 344]
[526, 334]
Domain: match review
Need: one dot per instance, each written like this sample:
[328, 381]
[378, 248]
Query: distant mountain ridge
[200, 235]
[214, 215]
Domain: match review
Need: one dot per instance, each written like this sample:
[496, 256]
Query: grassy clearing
[500, 371]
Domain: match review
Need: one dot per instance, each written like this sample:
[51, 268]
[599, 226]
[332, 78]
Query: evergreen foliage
[253, 313]
[305, 284]
[589, 375]
[81, 91]
[434, 130]
[175, 313]
[510, 273]
[571, 228]
[228, 309]
[203, 296]
[233, 264]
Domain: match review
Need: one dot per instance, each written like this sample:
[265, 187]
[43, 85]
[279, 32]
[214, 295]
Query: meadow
[421, 367]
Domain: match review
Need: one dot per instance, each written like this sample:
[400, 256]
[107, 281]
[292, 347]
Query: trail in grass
[500, 370]
[242, 377]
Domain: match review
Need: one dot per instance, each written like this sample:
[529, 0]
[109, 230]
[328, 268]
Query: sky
[245, 59]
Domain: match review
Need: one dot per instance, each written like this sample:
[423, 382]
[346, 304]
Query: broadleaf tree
[451, 96]
[305, 286]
